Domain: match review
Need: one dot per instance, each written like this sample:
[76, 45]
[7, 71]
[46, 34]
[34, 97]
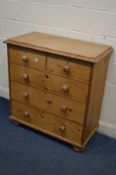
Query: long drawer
[59, 85]
[51, 103]
[47, 122]
[27, 57]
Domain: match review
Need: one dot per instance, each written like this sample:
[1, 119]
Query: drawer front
[27, 76]
[79, 70]
[67, 87]
[56, 64]
[27, 57]
[68, 109]
[47, 122]
[51, 103]
[59, 85]
[74, 70]
[28, 95]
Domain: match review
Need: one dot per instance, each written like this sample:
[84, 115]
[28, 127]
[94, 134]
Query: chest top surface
[77, 49]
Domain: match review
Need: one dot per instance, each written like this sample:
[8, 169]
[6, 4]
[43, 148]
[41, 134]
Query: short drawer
[68, 88]
[27, 57]
[77, 70]
[47, 123]
[51, 103]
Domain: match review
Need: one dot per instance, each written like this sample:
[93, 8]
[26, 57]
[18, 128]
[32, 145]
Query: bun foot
[77, 149]
[16, 123]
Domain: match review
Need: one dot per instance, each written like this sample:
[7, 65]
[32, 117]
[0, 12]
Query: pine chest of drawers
[56, 85]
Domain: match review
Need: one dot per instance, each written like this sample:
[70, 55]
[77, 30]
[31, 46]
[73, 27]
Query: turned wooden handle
[65, 87]
[66, 69]
[64, 108]
[24, 58]
[62, 128]
[25, 77]
[25, 95]
[26, 114]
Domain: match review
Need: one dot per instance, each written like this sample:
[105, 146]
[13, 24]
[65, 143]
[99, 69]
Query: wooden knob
[26, 114]
[65, 87]
[62, 128]
[25, 76]
[25, 95]
[24, 58]
[66, 69]
[64, 108]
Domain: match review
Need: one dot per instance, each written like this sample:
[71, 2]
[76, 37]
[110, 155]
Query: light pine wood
[55, 64]
[78, 70]
[29, 77]
[68, 88]
[34, 97]
[35, 59]
[95, 97]
[56, 85]
[75, 90]
[77, 144]
[48, 122]
[48, 102]
[66, 108]
[83, 50]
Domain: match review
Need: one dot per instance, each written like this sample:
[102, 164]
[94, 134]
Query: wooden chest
[56, 85]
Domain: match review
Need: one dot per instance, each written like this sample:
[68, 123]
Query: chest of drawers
[56, 85]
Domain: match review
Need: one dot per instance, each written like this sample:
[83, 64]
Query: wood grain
[83, 50]
[78, 70]
[48, 102]
[35, 78]
[68, 88]
[48, 122]
[74, 111]
[95, 97]
[76, 91]
[56, 85]
[35, 59]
